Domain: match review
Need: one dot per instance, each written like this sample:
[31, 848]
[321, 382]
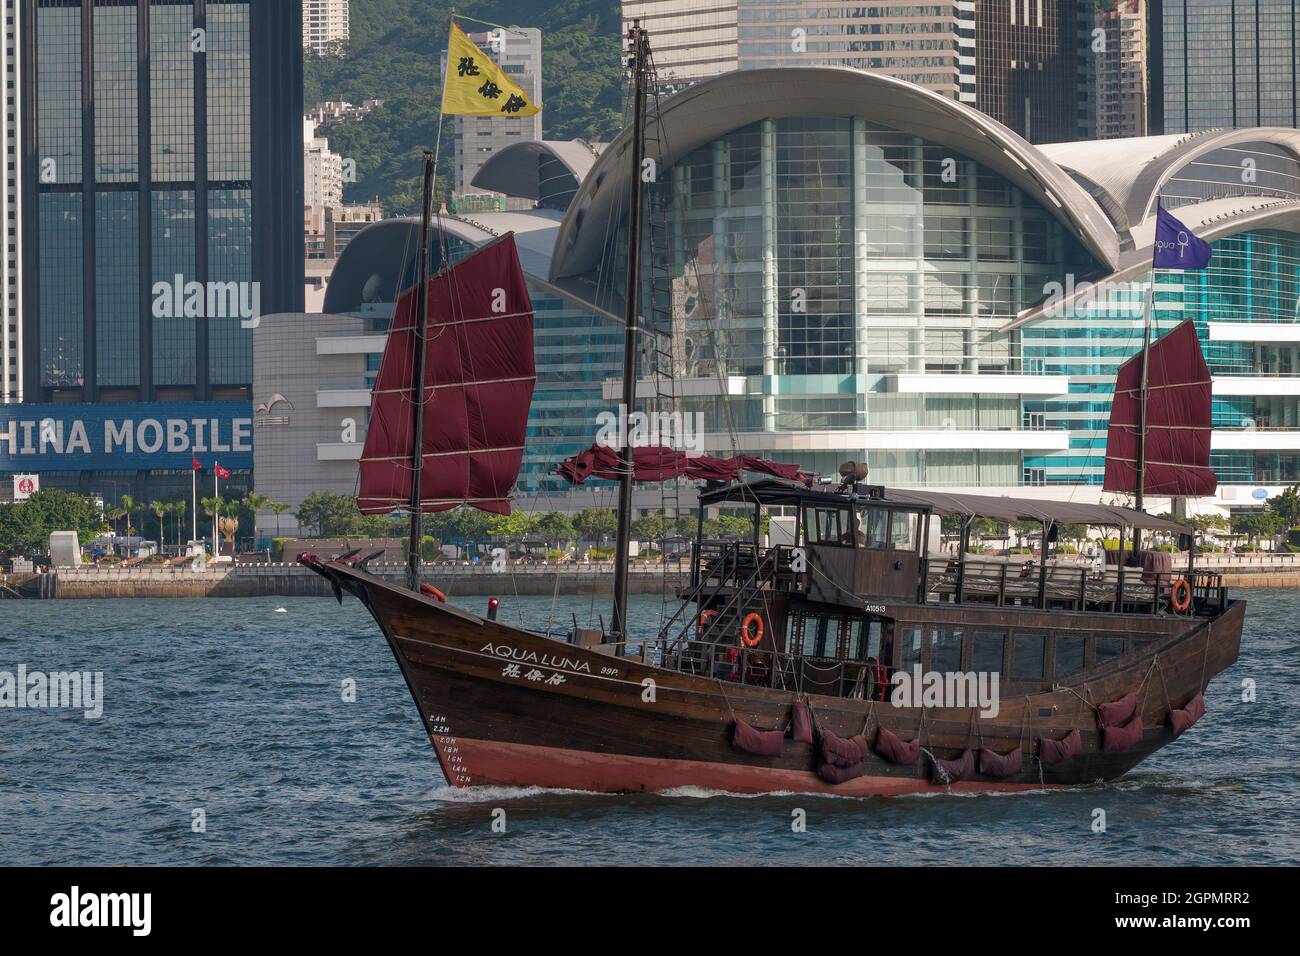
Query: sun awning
[1028, 509]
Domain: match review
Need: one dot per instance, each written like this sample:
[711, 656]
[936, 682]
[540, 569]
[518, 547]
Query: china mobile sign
[126, 436]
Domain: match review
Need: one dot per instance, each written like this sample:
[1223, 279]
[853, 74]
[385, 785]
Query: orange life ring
[433, 592]
[753, 617]
[1181, 595]
[704, 620]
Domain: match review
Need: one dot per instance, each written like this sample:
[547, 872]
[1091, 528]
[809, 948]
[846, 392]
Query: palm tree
[179, 508]
[128, 506]
[159, 509]
[211, 508]
[279, 507]
[256, 503]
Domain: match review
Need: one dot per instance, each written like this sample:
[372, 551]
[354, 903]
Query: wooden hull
[504, 706]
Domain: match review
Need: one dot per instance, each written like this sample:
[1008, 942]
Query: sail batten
[479, 378]
[1178, 420]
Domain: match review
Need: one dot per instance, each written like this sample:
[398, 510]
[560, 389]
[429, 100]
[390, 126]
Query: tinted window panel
[1027, 661]
[1069, 654]
[1109, 648]
[909, 646]
[986, 654]
[945, 651]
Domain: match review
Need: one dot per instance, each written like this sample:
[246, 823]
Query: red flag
[222, 472]
[195, 464]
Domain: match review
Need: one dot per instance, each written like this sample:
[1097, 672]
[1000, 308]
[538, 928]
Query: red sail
[1178, 420]
[479, 377]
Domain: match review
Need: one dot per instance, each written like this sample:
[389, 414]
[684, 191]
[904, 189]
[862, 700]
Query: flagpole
[194, 503]
[216, 497]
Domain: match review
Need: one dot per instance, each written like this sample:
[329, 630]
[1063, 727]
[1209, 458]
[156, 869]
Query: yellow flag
[476, 86]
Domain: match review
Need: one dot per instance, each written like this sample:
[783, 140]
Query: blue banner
[134, 436]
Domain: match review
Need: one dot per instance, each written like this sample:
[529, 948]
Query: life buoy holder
[755, 637]
[705, 616]
[433, 592]
[1180, 597]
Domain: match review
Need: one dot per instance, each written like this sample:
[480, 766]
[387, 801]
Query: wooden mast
[417, 377]
[1148, 304]
[638, 55]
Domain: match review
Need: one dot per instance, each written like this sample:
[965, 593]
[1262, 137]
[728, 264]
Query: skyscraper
[11, 342]
[1114, 52]
[930, 44]
[161, 149]
[324, 26]
[1221, 63]
[1027, 75]
[518, 50]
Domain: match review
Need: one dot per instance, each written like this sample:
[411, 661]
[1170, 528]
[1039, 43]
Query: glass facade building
[140, 118]
[1223, 63]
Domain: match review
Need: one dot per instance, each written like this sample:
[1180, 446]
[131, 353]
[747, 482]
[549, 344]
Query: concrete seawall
[291, 579]
[1239, 571]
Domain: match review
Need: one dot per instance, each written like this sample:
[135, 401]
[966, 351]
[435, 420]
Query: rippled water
[227, 706]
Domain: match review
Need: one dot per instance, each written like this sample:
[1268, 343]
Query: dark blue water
[227, 706]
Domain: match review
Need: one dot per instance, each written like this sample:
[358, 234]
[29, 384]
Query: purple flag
[1176, 247]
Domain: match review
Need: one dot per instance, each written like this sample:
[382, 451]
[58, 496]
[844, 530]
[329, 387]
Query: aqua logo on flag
[1175, 246]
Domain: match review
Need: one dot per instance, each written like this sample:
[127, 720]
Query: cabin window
[825, 526]
[873, 639]
[1069, 654]
[909, 646]
[873, 528]
[1027, 657]
[1108, 648]
[855, 651]
[945, 650]
[902, 531]
[816, 633]
[987, 652]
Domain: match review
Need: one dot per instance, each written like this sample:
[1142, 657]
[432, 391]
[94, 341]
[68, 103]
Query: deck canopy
[776, 492]
[1028, 509]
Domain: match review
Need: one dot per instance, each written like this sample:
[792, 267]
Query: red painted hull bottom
[485, 762]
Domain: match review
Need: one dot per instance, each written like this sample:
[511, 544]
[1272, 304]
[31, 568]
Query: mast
[638, 56]
[420, 323]
[1148, 303]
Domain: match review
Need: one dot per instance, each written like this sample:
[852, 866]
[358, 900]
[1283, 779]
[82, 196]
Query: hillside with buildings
[393, 54]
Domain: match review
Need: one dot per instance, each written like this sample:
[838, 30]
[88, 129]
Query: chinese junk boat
[776, 672]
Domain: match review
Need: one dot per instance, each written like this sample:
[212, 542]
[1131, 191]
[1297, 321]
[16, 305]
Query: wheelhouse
[850, 585]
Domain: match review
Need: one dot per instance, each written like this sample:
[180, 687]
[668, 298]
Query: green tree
[328, 514]
[25, 526]
[596, 524]
[513, 526]
[255, 503]
[652, 527]
[179, 506]
[1287, 506]
[556, 527]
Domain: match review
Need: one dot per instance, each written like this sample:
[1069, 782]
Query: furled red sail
[658, 463]
[1178, 420]
[478, 385]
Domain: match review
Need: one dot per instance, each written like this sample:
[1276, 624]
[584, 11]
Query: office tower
[518, 51]
[324, 26]
[161, 153]
[932, 45]
[1217, 63]
[1027, 70]
[1115, 52]
[11, 289]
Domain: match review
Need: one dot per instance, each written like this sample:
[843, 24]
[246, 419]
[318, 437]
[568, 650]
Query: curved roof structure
[717, 106]
[1209, 220]
[1133, 171]
[378, 264]
[549, 171]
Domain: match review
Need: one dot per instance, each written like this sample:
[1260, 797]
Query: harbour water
[226, 739]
